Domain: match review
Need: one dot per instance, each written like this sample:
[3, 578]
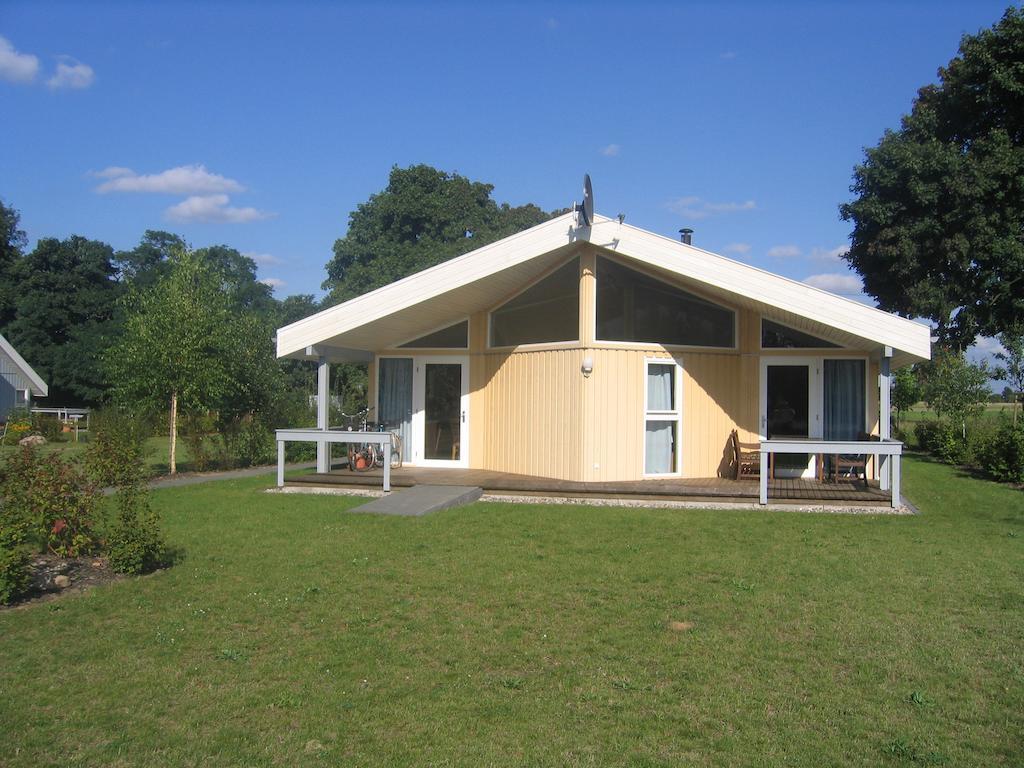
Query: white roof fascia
[39, 388]
[765, 287]
[908, 337]
[427, 284]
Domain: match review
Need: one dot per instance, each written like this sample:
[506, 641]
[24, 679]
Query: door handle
[463, 417]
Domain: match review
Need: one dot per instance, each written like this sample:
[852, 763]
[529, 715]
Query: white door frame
[419, 376]
[814, 398]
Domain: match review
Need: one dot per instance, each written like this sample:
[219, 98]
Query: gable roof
[481, 279]
[38, 386]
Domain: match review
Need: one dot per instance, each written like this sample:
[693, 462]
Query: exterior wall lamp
[588, 366]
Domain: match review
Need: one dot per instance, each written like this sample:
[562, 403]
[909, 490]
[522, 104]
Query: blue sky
[262, 126]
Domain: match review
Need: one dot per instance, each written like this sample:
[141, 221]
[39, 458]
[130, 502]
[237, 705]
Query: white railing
[888, 450]
[326, 436]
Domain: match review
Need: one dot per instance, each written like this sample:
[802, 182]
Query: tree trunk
[174, 432]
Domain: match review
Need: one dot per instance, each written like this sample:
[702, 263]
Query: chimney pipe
[686, 235]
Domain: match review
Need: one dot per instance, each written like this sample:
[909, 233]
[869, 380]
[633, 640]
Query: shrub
[942, 439]
[134, 541]
[200, 435]
[115, 453]
[48, 503]
[1002, 454]
[49, 427]
[249, 442]
[14, 573]
[19, 424]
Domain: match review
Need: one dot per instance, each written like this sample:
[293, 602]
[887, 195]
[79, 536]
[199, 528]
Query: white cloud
[264, 259]
[693, 207]
[274, 282]
[183, 180]
[611, 150]
[836, 283]
[784, 251]
[17, 67]
[71, 73]
[830, 254]
[737, 248]
[213, 209]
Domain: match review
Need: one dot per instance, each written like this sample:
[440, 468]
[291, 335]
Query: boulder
[62, 582]
[32, 440]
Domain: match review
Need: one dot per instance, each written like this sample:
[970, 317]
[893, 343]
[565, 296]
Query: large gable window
[453, 337]
[634, 307]
[548, 311]
[777, 336]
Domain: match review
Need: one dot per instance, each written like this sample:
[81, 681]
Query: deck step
[422, 500]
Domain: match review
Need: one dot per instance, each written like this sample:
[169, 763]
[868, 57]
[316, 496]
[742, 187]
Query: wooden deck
[705, 489]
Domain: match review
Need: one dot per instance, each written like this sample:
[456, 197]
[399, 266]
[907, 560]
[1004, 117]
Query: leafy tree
[938, 219]
[147, 262]
[176, 343]
[12, 246]
[65, 293]
[954, 388]
[423, 217]
[1012, 368]
[906, 390]
[238, 278]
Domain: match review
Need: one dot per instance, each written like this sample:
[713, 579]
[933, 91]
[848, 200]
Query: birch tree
[177, 339]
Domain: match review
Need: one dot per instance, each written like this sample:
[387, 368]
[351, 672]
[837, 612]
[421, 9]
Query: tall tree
[954, 388]
[423, 217]
[64, 303]
[147, 262]
[938, 219]
[177, 345]
[12, 246]
[1011, 368]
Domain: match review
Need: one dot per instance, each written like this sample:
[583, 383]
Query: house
[18, 382]
[608, 353]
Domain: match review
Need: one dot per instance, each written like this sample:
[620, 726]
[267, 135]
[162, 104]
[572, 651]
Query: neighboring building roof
[39, 388]
[480, 279]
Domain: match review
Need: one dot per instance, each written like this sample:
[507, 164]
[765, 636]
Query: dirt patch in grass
[49, 573]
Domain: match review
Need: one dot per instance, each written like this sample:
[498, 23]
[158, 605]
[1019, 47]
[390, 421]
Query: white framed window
[663, 411]
[21, 398]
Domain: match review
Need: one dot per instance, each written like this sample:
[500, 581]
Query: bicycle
[362, 457]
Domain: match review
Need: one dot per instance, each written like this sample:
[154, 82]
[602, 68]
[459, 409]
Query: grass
[291, 633]
[157, 453]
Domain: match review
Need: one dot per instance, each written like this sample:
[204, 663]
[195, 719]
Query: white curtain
[659, 387]
[394, 399]
[844, 399]
[659, 436]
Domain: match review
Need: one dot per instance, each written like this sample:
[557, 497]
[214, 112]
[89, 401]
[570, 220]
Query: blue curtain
[394, 399]
[845, 409]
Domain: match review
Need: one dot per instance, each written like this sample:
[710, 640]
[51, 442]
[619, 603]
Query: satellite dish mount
[585, 211]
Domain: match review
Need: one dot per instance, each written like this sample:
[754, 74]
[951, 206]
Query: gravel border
[833, 509]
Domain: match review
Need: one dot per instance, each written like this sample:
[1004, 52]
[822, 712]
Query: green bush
[48, 426]
[199, 433]
[1002, 455]
[943, 440]
[48, 503]
[114, 456]
[14, 573]
[248, 442]
[134, 542]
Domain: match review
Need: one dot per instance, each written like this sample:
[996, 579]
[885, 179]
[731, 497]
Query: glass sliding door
[844, 398]
[442, 415]
[788, 410]
[441, 411]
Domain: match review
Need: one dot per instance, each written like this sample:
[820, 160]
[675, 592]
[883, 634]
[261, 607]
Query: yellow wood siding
[533, 411]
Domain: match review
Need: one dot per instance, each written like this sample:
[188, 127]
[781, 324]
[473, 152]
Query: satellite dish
[585, 211]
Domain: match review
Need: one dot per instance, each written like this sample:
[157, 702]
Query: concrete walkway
[195, 478]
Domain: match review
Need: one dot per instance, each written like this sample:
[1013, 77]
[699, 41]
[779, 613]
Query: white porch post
[323, 410]
[280, 463]
[884, 414]
[763, 478]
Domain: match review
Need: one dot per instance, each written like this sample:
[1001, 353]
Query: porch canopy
[479, 280]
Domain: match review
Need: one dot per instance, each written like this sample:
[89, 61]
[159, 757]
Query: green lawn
[157, 452]
[290, 633]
